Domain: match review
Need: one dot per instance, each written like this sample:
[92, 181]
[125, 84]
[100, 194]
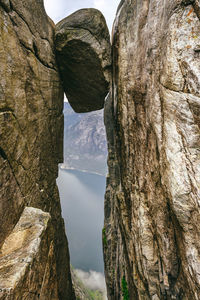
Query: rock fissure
[20, 15]
[3, 154]
[16, 180]
[196, 6]
[35, 52]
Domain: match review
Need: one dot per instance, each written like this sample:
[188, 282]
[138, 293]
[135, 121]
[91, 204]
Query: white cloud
[60, 9]
[93, 280]
[65, 98]
[54, 9]
[100, 4]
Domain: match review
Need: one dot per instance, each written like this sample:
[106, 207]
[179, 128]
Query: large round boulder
[84, 57]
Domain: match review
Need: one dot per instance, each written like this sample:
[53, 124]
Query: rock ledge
[27, 258]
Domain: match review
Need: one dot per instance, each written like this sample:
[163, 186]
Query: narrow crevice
[3, 154]
[133, 287]
[21, 16]
[5, 6]
[5, 157]
[6, 110]
[34, 50]
[196, 8]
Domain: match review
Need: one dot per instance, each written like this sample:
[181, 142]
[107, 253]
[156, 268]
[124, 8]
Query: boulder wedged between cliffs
[83, 53]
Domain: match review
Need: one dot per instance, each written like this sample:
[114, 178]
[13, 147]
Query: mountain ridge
[85, 146]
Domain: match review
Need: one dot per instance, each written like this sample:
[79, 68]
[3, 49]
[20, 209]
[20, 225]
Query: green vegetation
[95, 295]
[82, 291]
[125, 292]
[104, 237]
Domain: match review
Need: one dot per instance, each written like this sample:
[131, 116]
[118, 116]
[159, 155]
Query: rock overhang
[83, 53]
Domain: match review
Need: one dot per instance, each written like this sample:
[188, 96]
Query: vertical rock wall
[31, 126]
[152, 207]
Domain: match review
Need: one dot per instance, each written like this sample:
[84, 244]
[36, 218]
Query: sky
[59, 9]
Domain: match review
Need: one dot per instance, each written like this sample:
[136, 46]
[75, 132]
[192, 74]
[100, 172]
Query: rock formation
[152, 215]
[29, 244]
[152, 209]
[83, 54]
[31, 133]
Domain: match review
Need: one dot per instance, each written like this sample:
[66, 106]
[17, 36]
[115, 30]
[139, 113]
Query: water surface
[82, 200]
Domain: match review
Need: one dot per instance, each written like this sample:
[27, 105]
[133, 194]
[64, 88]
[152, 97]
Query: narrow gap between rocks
[82, 175]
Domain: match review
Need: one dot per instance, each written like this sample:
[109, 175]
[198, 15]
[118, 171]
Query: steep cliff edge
[31, 131]
[152, 216]
[152, 209]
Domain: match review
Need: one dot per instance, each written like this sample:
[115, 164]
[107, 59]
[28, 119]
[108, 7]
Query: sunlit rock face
[152, 207]
[84, 57]
[27, 259]
[31, 126]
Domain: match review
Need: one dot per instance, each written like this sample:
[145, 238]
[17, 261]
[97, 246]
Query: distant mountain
[85, 146]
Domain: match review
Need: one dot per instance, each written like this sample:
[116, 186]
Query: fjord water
[82, 201]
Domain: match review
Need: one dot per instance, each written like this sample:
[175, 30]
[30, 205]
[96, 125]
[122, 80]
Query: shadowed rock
[31, 137]
[84, 57]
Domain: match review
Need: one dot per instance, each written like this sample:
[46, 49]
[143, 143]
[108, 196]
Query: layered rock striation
[31, 133]
[152, 209]
[30, 244]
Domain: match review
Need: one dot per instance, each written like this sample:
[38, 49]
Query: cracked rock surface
[31, 125]
[84, 57]
[29, 244]
[152, 206]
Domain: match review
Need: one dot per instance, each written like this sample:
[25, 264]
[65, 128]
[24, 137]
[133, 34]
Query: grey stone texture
[31, 126]
[152, 203]
[27, 259]
[84, 58]
[152, 206]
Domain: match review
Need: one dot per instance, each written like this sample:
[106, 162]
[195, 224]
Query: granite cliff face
[31, 130]
[152, 216]
[34, 258]
[152, 209]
